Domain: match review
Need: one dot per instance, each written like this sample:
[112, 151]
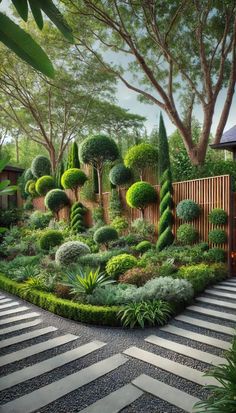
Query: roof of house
[11, 168]
[227, 141]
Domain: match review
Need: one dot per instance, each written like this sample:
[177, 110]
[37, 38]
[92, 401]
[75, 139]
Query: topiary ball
[217, 236]
[141, 156]
[28, 175]
[140, 195]
[32, 189]
[143, 246]
[41, 166]
[98, 147]
[218, 216]
[188, 210]
[119, 264]
[73, 178]
[187, 234]
[56, 199]
[215, 255]
[44, 184]
[105, 234]
[120, 174]
[50, 239]
[39, 219]
[70, 252]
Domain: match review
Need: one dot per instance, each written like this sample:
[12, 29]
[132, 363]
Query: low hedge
[85, 313]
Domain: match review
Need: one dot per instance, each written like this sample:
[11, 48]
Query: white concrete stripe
[206, 324]
[201, 338]
[2, 296]
[165, 392]
[221, 303]
[212, 313]
[228, 282]
[36, 348]
[18, 318]
[172, 367]
[225, 288]
[27, 336]
[19, 327]
[50, 364]
[116, 401]
[13, 311]
[185, 350]
[219, 293]
[47, 394]
[5, 300]
[12, 304]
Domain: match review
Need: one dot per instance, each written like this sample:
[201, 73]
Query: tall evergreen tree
[163, 149]
[59, 172]
[73, 157]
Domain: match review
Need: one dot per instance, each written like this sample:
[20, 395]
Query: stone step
[18, 318]
[165, 392]
[7, 305]
[49, 364]
[201, 338]
[47, 394]
[172, 367]
[206, 324]
[225, 288]
[116, 401]
[13, 311]
[212, 313]
[5, 300]
[2, 296]
[27, 336]
[185, 350]
[220, 303]
[219, 293]
[19, 327]
[36, 349]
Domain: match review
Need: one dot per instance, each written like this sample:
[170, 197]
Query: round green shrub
[119, 264]
[28, 175]
[215, 255]
[188, 210]
[41, 166]
[50, 239]
[120, 174]
[143, 246]
[187, 234]
[28, 183]
[120, 224]
[165, 239]
[98, 148]
[44, 184]
[105, 234]
[70, 252]
[32, 189]
[56, 199]
[218, 216]
[39, 219]
[217, 236]
[140, 195]
[141, 156]
[73, 178]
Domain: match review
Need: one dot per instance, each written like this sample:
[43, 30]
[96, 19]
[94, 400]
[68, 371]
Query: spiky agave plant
[86, 280]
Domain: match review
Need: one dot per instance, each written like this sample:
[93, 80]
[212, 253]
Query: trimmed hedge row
[85, 313]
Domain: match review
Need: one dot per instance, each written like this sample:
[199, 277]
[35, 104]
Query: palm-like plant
[5, 187]
[145, 312]
[223, 396]
[86, 280]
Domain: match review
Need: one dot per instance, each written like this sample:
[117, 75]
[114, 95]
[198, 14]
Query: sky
[128, 100]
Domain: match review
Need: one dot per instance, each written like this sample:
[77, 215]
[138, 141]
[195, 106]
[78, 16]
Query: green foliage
[34, 283]
[56, 199]
[143, 246]
[44, 184]
[145, 313]
[165, 221]
[163, 148]
[217, 236]
[39, 219]
[119, 264]
[50, 239]
[120, 175]
[165, 239]
[40, 166]
[73, 157]
[140, 195]
[138, 276]
[222, 394]
[140, 157]
[115, 207]
[73, 178]
[9, 217]
[27, 185]
[59, 172]
[28, 175]
[69, 252]
[77, 213]
[120, 224]
[32, 190]
[142, 228]
[188, 210]
[200, 276]
[166, 187]
[167, 201]
[187, 234]
[105, 234]
[98, 216]
[86, 281]
[100, 259]
[215, 255]
[218, 216]
[97, 150]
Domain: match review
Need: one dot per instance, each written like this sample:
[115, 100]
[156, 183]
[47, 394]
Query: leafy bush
[188, 210]
[44, 184]
[166, 238]
[215, 255]
[200, 276]
[138, 276]
[220, 272]
[28, 175]
[140, 195]
[32, 190]
[73, 178]
[119, 264]
[27, 185]
[9, 217]
[143, 228]
[86, 281]
[132, 239]
[167, 269]
[218, 216]
[217, 236]
[56, 199]
[100, 259]
[145, 313]
[115, 207]
[70, 252]
[50, 239]
[143, 247]
[98, 217]
[34, 283]
[105, 234]
[40, 166]
[141, 156]
[120, 224]
[120, 174]
[39, 219]
[187, 234]
[23, 273]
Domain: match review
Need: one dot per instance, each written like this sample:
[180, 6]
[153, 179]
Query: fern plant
[145, 312]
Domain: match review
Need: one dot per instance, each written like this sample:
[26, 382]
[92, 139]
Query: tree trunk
[142, 213]
[99, 172]
[53, 160]
[76, 194]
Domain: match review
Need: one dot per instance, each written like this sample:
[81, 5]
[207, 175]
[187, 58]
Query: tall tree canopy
[182, 53]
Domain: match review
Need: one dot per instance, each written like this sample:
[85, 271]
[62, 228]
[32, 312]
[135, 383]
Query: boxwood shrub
[188, 210]
[119, 264]
[187, 234]
[50, 239]
[218, 216]
[217, 236]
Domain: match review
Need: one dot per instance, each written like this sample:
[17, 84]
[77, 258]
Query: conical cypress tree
[73, 157]
[163, 149]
